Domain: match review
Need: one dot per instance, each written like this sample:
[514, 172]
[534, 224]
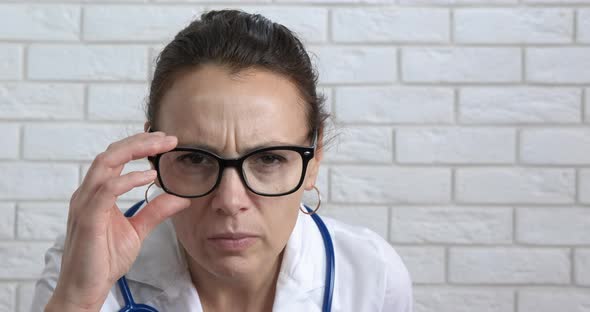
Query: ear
[313, 168]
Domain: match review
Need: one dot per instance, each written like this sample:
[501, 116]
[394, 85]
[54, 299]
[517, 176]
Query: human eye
[269, 159]
[194, 159]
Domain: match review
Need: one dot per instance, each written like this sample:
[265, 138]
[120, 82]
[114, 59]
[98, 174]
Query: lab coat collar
[161, 263]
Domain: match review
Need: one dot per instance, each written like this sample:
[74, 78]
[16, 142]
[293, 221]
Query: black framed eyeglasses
[269, 171]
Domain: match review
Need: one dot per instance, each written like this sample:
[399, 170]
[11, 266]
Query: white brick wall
[463, 132]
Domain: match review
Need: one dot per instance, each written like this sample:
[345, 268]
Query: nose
[231, 195]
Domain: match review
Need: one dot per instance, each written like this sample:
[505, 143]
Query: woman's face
[230, 115]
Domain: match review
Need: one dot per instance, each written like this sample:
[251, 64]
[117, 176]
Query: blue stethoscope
[130, 304]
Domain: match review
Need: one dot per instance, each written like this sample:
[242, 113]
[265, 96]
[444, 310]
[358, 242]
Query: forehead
[212, 106]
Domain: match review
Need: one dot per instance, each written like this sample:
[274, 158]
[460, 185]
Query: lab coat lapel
[300, 286]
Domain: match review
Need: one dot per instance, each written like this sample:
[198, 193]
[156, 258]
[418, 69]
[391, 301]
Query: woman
[220, 234]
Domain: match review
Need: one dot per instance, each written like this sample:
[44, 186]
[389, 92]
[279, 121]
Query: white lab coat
[369, 275]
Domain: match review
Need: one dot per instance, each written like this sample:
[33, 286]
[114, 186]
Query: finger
[118, 186]
[156, 211]
[134, 147]
[106, 196]
[110, 163]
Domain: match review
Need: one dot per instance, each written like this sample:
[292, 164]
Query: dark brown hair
[238, 41]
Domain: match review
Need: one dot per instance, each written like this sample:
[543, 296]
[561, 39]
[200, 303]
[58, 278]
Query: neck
[254, 292]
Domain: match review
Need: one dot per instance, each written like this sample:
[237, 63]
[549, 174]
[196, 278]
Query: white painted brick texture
[507, 185]
[42, 22]
[42, 101]
[582, 265]
[452, 225]
[391, 25]
[10, 62]
[546, 300]
[461, 132]
[514, 25]
[130, 23]
[455, 145]
[470, 265]
[556, 146]
[87, 62]
[394, 105]
[522, 105]
[463, 299]
[557, 65]
[461, 64]
[9, 141]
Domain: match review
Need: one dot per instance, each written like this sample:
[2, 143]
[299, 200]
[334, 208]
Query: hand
[101, 243]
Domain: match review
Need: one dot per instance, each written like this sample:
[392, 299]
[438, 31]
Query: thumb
[155, 212]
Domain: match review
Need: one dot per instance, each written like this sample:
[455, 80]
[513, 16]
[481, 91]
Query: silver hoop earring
[146, 191]
[317, 207]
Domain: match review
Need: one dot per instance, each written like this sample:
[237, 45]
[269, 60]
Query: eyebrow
[216, 151]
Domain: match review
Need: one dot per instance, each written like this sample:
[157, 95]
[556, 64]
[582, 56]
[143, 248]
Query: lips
[234, 242]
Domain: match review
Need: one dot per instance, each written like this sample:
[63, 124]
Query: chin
[234, 267]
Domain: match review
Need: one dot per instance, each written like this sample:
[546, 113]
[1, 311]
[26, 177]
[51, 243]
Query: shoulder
[367, 258]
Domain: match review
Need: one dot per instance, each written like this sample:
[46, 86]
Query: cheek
[279, 215]
[188, 224]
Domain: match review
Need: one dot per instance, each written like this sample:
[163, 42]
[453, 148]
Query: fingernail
[150, 173]
[170, 139]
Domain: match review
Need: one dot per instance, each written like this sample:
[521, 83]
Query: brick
[519, 105]
[7, 217]
[42, 101]
[522, 25]
[117, 102]
[7, 297]
[509, 266]
[515, 185]
[453, 225]
[28, 181]
[72, 141]
[25, 296]
[460, 299]
[41, 221]
[355, 64]
[372, 217]
[11, 62]
[557, 1]
[130, 23]
[380, 185]
[425, 264]
[372, 144]
[557, 65]
[458, 2]
[310, 23]
[584, 188]
[549, 300]
[9, 140]
[455, 145]
[39, 22]
[582, 266]
[583, 26]
[390, 24]
[209, 1]
[553, 226]
[459, 64]
[555, 146]
[137, 193]
[394, 104]
[87, 62]
[22, 260]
